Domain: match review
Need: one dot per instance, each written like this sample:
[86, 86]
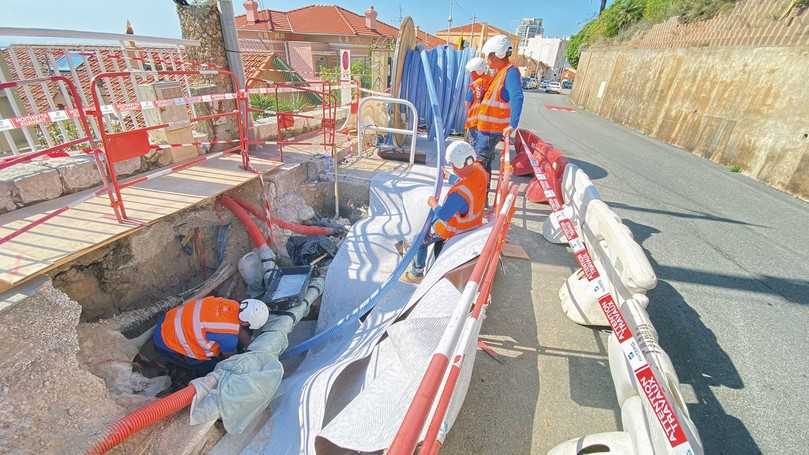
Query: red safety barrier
[550, 158]
[85, 141]
[120, 146]
[461, 330]
[656, 391]
[286, 120]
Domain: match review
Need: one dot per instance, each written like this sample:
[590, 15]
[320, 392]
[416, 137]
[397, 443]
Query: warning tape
[652, 387]
[193, 144]
[118, 108]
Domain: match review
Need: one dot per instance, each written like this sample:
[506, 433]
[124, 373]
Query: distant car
[529, 83]
[553, 87]
[543, 84]
[567, 84]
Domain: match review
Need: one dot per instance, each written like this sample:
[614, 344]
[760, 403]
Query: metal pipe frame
[413, 132]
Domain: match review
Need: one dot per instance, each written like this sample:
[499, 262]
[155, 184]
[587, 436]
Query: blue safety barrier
[447, 70]
[368, 304]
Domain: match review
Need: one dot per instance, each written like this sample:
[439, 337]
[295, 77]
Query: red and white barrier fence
[461, 331]
[656, 391]
[121, 146]
[85, 140]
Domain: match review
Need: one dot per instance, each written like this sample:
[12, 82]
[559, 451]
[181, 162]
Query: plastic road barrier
[577, 193]
[678, 437]
[617, 257]
[120, 146]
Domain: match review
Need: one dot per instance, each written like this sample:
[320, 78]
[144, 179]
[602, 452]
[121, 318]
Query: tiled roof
[316, 19]
[429, 40]
[476, 28]
[97, 59]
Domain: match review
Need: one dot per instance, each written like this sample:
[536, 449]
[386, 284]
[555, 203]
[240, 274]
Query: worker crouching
[199, 333]
[462, 209]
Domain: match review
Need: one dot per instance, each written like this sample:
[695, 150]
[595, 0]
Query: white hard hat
[499, 44]
[254, 312]
[477, 65]
[459, 153]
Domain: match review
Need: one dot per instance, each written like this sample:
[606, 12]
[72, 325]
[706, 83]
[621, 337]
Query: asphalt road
[731, 254]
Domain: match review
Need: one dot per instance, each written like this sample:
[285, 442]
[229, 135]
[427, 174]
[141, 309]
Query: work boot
[412, 277]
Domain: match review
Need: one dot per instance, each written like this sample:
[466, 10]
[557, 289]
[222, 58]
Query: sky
[158, 17]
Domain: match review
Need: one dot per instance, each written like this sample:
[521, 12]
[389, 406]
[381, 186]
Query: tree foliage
[624, 14]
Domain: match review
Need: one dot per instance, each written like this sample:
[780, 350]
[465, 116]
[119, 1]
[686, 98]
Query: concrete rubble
[48, 402]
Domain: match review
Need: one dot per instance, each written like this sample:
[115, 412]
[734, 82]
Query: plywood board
[92, 223]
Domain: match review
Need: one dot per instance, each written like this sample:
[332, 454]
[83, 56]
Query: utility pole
[400, 13]
[603, 5]
[472, 34]
[449, 20]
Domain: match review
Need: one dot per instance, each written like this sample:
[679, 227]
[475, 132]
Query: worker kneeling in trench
[461, 211]
[193, 337]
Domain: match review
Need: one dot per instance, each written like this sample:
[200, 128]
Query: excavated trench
[79, 375]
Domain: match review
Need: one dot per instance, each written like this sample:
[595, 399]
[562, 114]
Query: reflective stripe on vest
[478, 88]
[197, 325]
[494, 113]
[473, 188]
[178, 332]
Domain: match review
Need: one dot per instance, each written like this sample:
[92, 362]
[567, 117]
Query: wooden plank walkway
[92, 223]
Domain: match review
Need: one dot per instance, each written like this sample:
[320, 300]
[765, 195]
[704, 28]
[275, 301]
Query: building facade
[529, 27]
[549, 51]
[474, 35]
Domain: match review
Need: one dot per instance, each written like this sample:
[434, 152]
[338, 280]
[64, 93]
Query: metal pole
[231, 40]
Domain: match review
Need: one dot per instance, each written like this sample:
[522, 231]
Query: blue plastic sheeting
[448, 71]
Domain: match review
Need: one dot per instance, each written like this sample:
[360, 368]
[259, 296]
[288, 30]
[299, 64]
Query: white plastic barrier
[617, 257]
[637, 412]
[577, 193]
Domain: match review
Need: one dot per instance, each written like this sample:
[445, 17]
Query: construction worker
[199, 333]
[462, 209]
[501, 106]
[477, 88]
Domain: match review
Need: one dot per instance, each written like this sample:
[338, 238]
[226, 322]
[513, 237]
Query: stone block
[128, 167]
[159, 91]
[6, 198]
[32, 182]
[183, 135]
[77, 172]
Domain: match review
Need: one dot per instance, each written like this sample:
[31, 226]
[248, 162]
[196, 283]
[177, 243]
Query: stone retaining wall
[732, 89]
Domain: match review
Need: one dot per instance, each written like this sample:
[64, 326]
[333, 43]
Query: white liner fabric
[332, 376]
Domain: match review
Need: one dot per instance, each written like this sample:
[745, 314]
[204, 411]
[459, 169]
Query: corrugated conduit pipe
[151, 413]
[302, 229]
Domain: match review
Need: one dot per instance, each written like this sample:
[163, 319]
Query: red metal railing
[85, 138]
[135, 142]
[286, 120]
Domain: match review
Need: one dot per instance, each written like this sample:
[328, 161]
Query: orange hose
[252, 230]
[143, 417]
[294, 227]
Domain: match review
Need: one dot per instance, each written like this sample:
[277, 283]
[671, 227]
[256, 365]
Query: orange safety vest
[494, 112]
[478, 87]
[473, 188]
[185, 328]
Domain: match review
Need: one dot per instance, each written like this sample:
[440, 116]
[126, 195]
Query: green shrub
[618, 20]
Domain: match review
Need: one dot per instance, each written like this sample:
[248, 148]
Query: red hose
[294, 227]
[143, 417]
[252, 230]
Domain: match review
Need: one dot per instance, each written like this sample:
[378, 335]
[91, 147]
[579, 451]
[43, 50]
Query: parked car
[543, 84]
[567, 84]
[553, 87]
[529, 83]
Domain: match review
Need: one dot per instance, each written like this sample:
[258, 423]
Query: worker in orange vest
[462, 209]
[477, 88]
[199, 333]
[499, 111]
